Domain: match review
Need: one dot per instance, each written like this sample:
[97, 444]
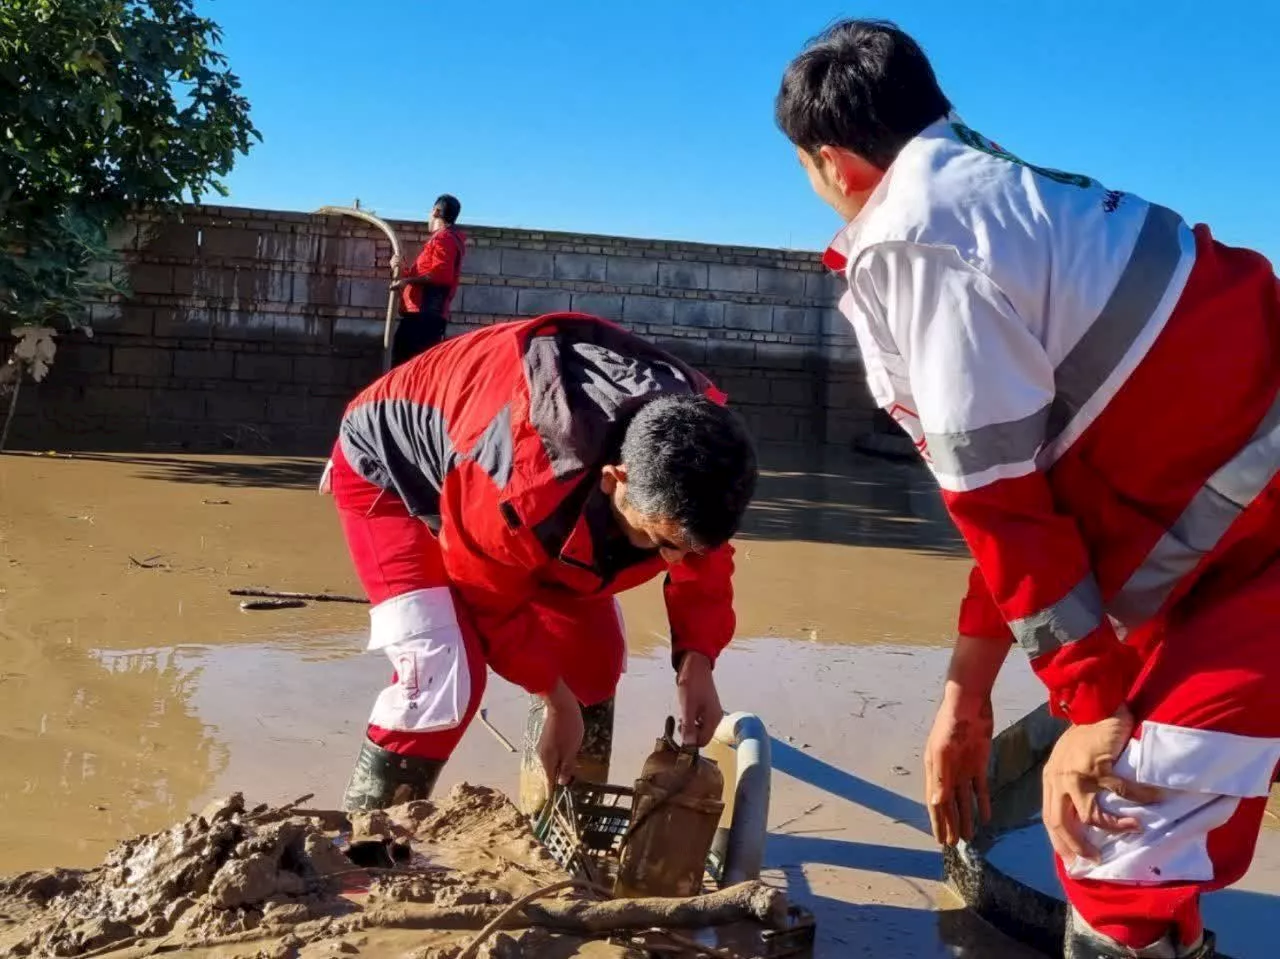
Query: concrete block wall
[251, 329]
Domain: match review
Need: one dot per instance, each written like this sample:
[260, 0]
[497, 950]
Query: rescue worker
[495, 493]
[1093, 383]
[428, 284]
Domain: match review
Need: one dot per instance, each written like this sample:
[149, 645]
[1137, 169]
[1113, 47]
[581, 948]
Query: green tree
[106, 106]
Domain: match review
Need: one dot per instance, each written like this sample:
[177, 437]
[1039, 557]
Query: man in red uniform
[428, 284]
[1095, 386]
[495, 493]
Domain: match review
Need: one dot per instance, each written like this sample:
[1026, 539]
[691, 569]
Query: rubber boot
[593, 756]
[1084, 942]
[382, 779]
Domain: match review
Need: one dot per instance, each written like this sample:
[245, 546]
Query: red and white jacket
[1092, 382]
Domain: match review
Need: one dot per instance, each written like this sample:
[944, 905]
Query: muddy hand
[562, 733]
[955, 767]
[1078, 771]
[700, 710]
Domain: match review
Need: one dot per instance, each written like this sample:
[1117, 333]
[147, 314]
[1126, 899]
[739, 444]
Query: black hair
[864, 85]
[690, 460]
[448, 207]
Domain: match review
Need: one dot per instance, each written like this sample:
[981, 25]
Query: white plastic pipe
[390, 234]
[740, 849]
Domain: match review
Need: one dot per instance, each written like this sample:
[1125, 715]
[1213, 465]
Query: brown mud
[286, 882]
[133, 689]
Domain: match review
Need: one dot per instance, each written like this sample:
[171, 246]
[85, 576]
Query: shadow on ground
[231, 470]
[830, 496]
[821, 496]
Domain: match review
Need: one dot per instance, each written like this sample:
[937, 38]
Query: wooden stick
[484, 718]
[496, 923]
[284, 594]
[747, 901]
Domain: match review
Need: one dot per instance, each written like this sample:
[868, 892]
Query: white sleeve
[981, 380]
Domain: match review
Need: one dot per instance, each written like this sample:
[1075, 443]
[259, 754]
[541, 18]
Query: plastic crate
[583, 827]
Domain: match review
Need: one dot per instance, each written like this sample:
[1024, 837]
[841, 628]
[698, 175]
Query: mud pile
[276, 877]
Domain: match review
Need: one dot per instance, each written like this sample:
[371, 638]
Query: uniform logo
[976, 140]
[909, 421]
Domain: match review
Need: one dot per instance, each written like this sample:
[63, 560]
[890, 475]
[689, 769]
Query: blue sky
[655, 118]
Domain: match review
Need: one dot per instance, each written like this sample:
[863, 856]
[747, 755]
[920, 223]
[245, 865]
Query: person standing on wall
[1095, 384]
[427, 285]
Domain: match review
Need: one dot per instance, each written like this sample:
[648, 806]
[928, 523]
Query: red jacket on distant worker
[441, 260]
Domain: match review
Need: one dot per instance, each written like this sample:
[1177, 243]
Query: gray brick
[84, 356]
[263, 367]
[171, 322]
[789, 392]
[203, 364]
[359, 252]
[708, 314]
[648, 309]
[791, 319]
[631, 271]
[537, 302]
[748, 316]
[606, 305]
[824, 285]
[489, 300]
[835, 323]
[147, 278]
[370, 294]
[535, 264]
[580, 266]
[691, 349]
[683, 275]
[141, 361]
[735, 279]
[788, 283]
[354, 331]
[238, 325]
[179, 404]
[287, 409]
[483, 261]
[302, 328]
[320, 368]
[235, 406]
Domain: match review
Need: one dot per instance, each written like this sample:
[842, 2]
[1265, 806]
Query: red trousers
[396, 554]
[1208, 733]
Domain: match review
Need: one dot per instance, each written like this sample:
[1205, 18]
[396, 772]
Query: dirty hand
[955, 765]
[396, 263]
[398, 284]
[561, 738]
[1079, 768]
[700, 710]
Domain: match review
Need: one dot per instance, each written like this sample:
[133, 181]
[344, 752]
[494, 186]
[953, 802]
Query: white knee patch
[419, 633]
[1204, 776]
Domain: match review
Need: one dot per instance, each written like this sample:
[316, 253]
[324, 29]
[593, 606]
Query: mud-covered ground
[133, 690]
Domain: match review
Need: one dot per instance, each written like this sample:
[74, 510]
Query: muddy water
[133, 689]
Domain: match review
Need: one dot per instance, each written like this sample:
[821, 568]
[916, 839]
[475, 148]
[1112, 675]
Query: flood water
[133, 688]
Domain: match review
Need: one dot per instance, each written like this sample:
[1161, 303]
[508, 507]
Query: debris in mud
[466, 878]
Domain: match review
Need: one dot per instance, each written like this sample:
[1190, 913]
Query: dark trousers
[415, 333]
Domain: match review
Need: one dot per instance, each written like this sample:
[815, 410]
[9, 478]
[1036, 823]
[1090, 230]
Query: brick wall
[250, 329]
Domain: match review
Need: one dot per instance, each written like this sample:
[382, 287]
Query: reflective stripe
[1202, 524]
[967, 452]
[1071, 618]
[1135, 299]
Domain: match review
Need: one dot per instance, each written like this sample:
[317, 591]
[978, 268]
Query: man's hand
[561, 738]
[955, 764]
[396, 263]
[955, 756]
[1079, 768]
[700, 710]
[399, 284]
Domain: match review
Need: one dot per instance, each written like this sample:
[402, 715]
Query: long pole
[382, 225]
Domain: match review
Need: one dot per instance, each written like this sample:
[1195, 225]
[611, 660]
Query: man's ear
[850, 173]
[611, 477]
